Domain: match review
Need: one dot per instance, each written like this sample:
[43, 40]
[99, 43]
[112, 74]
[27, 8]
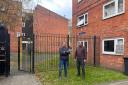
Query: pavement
[23, 78]
[124, 82]
[19, 79]
[120, 83]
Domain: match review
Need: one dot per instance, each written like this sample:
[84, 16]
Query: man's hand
[75, 60]
[85, 60]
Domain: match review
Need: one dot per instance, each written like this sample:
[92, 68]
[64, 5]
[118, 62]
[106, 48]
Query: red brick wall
[13, 36]
[46, 21]
[47, 24]
[110, 28]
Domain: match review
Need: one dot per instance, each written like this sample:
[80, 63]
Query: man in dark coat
[64, 53]
[81, 58]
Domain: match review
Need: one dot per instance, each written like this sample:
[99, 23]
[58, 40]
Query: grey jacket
[64, 53]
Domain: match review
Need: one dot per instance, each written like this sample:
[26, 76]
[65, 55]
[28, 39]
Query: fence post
[19, 53]
[8, 61]
[68, 40]
[94, 44]
[33, 55]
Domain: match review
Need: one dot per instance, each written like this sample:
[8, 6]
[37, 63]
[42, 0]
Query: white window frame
[23, 24]
[79, 1]
[115, 43]
[83, 43]
[116, 9]
[84, 20]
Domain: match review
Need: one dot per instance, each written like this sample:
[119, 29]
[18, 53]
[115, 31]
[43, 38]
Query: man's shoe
[60, 78]
[83, 77]
[78, 75]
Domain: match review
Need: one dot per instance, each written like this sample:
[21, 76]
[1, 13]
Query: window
[113, 8]
[109, 45]
[113, 46]
[23, 24]
[82, 20]
[120, 6]
[18, 34]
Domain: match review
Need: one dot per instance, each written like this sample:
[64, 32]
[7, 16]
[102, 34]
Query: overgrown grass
[94, 75]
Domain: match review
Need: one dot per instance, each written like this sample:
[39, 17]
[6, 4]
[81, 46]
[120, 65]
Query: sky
[62, 7]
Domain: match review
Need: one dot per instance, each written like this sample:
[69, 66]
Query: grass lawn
[94, 76]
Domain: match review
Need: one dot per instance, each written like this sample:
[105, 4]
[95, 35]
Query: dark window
[86, 18]
[85, 44]
[109, 45]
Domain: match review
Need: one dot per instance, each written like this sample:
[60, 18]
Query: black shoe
[78, 75]
[83, 77]
[65, 76]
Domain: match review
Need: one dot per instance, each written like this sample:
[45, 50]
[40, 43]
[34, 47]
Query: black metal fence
[47, 49]
[42, 50]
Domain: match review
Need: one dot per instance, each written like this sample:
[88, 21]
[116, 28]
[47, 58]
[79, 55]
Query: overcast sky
[62, 7]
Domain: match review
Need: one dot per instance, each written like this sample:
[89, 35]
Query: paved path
[20, 79]
[117, 83]
[120, 83]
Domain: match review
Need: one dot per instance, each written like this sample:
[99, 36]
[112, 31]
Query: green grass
[94, 75]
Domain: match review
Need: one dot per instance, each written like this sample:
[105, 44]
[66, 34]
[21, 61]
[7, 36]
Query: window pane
[80, 21]
[110, 9]
[119, 46]
[120, 6]
[109, 46]
[85, 44]
[120, 42]
[82, 43]
[80, 18]
[86, 16]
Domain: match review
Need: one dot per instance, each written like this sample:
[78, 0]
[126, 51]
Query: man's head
[80, 44]
[64, 44]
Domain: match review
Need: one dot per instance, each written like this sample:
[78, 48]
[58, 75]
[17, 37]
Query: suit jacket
[81, 53]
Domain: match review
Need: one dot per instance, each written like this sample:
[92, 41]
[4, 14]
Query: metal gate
[26, 53]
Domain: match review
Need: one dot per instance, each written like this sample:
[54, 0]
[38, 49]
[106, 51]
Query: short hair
[79, 43]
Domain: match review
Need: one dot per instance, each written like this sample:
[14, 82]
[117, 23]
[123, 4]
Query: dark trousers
[68, 62]
[63, 63]
[80, 64]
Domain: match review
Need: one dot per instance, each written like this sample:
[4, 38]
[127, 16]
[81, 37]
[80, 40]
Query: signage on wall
[18, 34]
[82, 33]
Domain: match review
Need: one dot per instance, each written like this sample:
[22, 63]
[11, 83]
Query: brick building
[48, 26]
[10, 16]
[106, 19]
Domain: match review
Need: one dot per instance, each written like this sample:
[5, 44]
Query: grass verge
[94, 76]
